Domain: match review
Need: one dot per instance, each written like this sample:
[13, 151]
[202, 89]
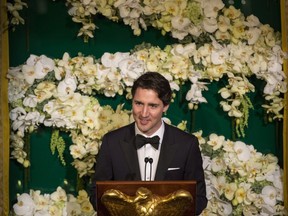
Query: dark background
[49, 30]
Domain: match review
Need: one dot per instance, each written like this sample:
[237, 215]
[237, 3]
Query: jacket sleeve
[194, 170]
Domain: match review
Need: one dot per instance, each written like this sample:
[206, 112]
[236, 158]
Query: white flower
[41, 201]
[232, 108]
[14, 9]
[180, 26]
[242, 151]
[219, 56]
[184, 50]
[269, 195]
[229, 190]
[224, 208]
[195, 93]
[212, 7]
[223, 24]
[225, 93]
[167, 120]
[44, 91]
[219, 183]
[217, 164]
[59, 195]
[73, 208]
[131, 69]
[252, 21]
[67, 86]
[210, 25]
[77, 151]
[30, 101]
[25, 205]
[29, 73]
[215, 141]
[253, 35]
[17, 85]
[112, 60]
[37, 68]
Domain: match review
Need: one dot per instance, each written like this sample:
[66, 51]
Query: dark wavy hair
[156, 82]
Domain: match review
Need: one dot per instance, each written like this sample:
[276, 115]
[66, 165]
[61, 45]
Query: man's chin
[143, 128]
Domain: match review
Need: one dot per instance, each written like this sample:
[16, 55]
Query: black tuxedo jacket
[118, 160]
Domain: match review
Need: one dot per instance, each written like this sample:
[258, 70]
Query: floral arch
[215, 42]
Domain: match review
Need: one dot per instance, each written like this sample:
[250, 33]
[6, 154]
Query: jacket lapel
[130, 153]
[168, 148]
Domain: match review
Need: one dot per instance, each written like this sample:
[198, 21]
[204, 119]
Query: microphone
[150, 161]
[146, 160]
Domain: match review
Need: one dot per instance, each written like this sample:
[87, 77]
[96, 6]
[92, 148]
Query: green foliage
[57, 143]
[242, 122]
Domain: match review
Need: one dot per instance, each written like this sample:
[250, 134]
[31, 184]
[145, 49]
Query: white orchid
[215, 141]
[14, 10]
[112, 60]
[37, 68]
[243, 153]
[194, 95]
[131, 69]
[78, 151]
[253, 192]
[17, 85]
[269, 195]
[212, 7]
[25, 205]
[217, 164]
[30, 101]
[57, 203]
[230, 190]
[219, 56]
[59, 195]
[179, 25]
[23, 121]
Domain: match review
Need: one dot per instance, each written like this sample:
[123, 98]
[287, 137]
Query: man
[178, 156]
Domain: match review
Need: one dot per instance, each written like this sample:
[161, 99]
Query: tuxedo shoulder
[180, 133]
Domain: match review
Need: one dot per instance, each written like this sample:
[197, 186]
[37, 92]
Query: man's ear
[165, 108]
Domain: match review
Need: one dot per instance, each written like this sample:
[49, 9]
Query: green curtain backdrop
[49, 30]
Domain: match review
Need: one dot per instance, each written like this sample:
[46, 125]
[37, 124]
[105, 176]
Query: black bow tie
[141, 141]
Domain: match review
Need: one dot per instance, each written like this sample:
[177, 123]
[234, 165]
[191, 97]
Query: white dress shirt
[150, 152]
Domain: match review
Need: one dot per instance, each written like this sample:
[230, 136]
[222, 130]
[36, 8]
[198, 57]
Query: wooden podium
[158, 188]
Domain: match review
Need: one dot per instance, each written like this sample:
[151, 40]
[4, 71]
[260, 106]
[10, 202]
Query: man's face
[147, 110]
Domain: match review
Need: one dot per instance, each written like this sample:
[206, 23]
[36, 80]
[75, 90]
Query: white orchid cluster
[42, 93]
[57, 203]
[236, 47]
[86, 142]
[240, 180]
[59, 93]
[13, 9]
[115, 73]
[241, 47]
[181, 18]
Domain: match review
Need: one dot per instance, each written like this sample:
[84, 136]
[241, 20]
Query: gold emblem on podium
[145, 203]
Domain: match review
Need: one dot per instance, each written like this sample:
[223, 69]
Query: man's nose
[144, 111]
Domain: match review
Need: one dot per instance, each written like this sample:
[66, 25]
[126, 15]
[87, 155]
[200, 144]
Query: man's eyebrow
[153, 104]
[150, 104]
[138, 101]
